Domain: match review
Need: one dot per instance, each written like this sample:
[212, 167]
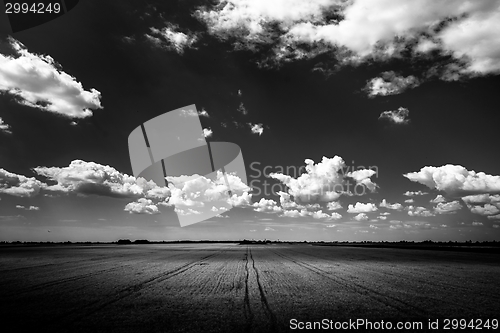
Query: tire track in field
[402, 276]
[406, 307]
[399, 276]
[246, 301]
[269, 313]
[126, 292]
[72, 278]
[63, 280]
[75, 261]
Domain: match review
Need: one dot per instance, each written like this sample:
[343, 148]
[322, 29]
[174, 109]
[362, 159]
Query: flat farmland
[238, 288]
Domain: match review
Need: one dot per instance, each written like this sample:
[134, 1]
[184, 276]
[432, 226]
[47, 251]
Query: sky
[357, 120]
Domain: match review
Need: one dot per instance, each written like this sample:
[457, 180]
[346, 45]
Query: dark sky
[309, 108]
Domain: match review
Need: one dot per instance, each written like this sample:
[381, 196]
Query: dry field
[237, 288]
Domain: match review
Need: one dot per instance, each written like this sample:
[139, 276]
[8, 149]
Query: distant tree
[124, 241]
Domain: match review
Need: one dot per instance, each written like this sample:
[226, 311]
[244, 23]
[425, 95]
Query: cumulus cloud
[27, 208]
[362, 176]
[448, 207]
[38, 81]
[361, 217]
[92, 178]
[19, 185]
[439, 198]
[360, 207]
[419, 211]
[198, 191]
[256, 128]
[412, 194]
[361, 30]
[207, 132]
[323, 181]
[494, 217]
[4, 128]
[142, 206]
[455, 180]
[399, 116]
[203, 113]
[390, 83]
[334, 205]
[477, 224]
[485, 210]
[409, 201]
[395, 206]
[317, 214]
[481, 199]
[170, 38]
[267, 206]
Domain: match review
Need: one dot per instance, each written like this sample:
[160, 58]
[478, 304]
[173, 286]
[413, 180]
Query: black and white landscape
[369, 135]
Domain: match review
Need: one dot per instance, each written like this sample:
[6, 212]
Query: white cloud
[382, 217]
[38, 81]
[412, 194]
[197, 191]
[481, 199]
[419, 211]
[456, 180]
[361, 217]
[267, 206]
[142, 206]
[323, 181]
[362, 176]
[395, 206]
[19, 185]
[439, 198]
[390, 83]
[92, 178]
[448, 207]
[27, 208]
[485, 210]
[256, 128]
[409, 201]
[477, 224]
[335, 216]
[399, 116]
[5, 128]
[331, 225]
[169, 38]
[269, 229]
[203, 113]
[241, 109]
[360, 207]
[186, 211]
[360, 30]
[207, 132]
[494, 217]
[334, 205]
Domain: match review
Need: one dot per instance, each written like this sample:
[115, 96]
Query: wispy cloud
[390, 83]
[256, 128]
[399, 116]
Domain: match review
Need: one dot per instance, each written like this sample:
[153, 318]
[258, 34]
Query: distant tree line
[468, 243]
